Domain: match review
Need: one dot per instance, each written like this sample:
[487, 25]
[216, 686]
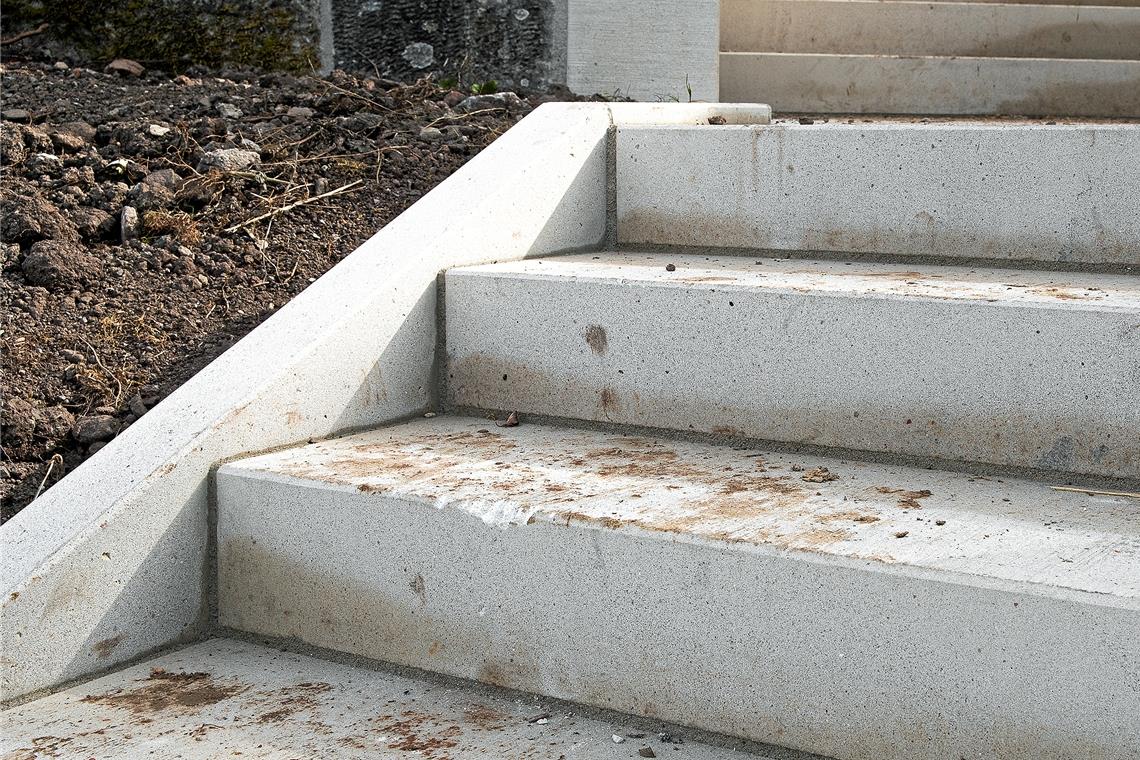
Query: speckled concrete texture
[1005, 367]
[655, 50]
[1062, 193]
[854, 610]
[226, 698]
[873, 84]
[997, 29]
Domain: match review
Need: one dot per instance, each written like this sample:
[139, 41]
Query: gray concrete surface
[832, 83]
[230, 698]
[889, 612]
[869, 27]
[1007, 367]
[112, 561]
[646, 50]
[1063, 193]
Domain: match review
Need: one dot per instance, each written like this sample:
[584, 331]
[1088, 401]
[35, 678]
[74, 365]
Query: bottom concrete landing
[226, 698]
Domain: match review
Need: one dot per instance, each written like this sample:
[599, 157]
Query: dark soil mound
[131, 256]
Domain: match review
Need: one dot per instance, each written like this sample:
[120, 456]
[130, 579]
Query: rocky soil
[148, 222]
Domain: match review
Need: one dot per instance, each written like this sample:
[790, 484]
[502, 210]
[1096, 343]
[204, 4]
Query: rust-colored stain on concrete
[164, 691]
[414, 731]
[568, 478]
[104, 648]
[536, 476]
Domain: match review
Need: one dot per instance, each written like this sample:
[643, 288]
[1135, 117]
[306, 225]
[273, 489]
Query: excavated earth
[150, 221]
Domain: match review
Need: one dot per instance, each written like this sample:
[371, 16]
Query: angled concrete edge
[689, 114]
[113, 561]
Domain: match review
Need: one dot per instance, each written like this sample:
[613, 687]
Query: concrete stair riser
[930, 29]
[828, 83]
[850, 357]
[1059, 194]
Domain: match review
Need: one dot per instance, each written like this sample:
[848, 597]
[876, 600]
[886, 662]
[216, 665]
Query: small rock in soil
[25, 216]
[229, 160]
[54, 422]
[228, 111]
[16, 114]
[136, 405]
[99, 427]
[431, 134]
[80, 129]
[125, 67]
[55, 263]
[505, 100]
[19, 425]
[45, 163]
[67, 142]
[129, 224]
[93, 223]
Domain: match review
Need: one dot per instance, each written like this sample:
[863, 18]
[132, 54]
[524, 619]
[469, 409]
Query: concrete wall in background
[652, 50]
[518, 43]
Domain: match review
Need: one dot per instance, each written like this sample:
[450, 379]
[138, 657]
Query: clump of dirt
[149, 222]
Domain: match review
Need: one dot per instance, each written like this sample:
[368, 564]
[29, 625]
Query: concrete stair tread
[1077, 290]
[930, 362]
[953, 526]
[225, 697]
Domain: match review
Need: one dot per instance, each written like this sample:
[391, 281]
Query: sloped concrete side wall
[113, 561]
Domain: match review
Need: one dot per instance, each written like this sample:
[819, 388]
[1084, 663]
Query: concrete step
[838, 83]
[870, 27]
[1120, 3]
[1006, 367]
[227, 698]
[855, 610]
[974, 189]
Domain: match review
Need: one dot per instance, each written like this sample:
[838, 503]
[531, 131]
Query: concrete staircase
[970, 57]
[876, 501]
[831, 445]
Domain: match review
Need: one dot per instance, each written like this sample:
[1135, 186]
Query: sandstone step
[841, 83]
[1062, 194]
[228, 698]
[1007, 367]
[870, 27]
[850, 609]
